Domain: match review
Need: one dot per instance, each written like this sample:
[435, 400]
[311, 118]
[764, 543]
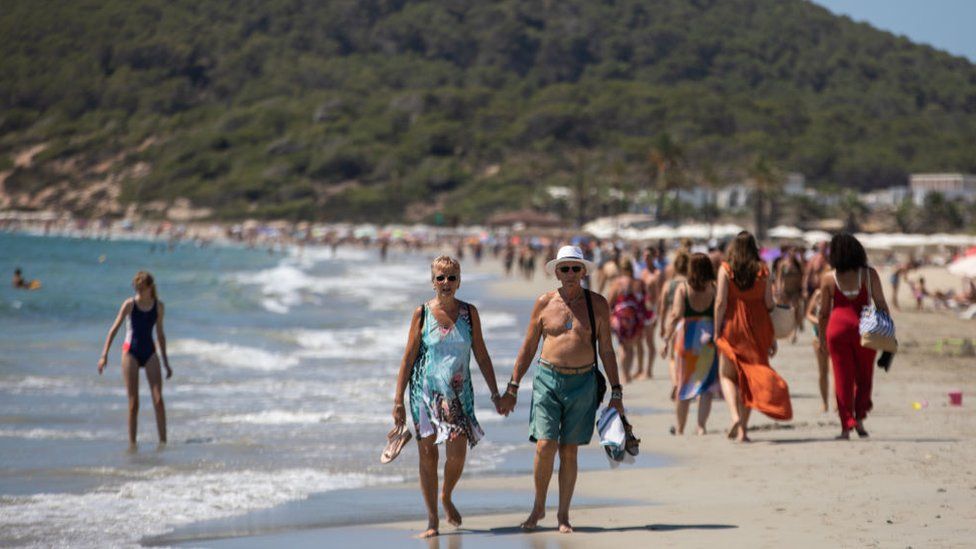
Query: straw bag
[876, 327]
[784, 320]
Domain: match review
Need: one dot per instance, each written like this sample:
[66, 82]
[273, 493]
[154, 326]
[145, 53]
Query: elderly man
[571, 321]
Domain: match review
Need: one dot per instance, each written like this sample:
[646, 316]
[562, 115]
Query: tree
[766, 183]
[665, 159]
[851, 208]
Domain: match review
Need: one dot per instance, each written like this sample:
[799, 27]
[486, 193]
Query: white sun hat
[569, 254]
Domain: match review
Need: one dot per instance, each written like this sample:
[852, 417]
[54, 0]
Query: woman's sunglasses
[450, 278]
[566, 269]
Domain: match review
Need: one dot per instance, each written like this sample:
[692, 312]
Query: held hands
[505, 404]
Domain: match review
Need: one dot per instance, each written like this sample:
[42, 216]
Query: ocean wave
[230, 355]
[153, 506]
[493, 321]
[378, 286]
[278, 417]
[49, 386]
[369, 343]
[58, 434]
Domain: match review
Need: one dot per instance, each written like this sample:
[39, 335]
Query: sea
[284, 371]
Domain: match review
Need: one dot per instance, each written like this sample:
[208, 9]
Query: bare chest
[559, 320]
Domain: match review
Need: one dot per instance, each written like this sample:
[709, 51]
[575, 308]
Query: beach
[287, 453]
[912, 483]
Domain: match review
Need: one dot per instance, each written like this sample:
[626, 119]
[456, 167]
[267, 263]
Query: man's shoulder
[599, 302]
[546, 298]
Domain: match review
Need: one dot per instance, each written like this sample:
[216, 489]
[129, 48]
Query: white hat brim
[551, 266]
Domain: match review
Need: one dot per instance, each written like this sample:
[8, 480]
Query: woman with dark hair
[745, 297]
[696, 362]
[844, 292]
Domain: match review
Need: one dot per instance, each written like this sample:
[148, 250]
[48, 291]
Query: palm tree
[766, 182]
[665, 158]
[851, 209]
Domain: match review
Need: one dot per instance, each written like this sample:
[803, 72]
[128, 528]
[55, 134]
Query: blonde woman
[443, 334]
[141, 313]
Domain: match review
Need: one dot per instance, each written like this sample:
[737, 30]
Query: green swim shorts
[563, 406]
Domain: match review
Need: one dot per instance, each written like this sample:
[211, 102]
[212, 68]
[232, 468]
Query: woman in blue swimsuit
[141, 314]
[443, 334]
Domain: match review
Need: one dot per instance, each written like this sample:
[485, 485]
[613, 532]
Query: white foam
[230, 355]
[57, 434]
[47, 386]
[492, 321]
[369, 343]
[278, 417]
[154, 505]
[379, 286]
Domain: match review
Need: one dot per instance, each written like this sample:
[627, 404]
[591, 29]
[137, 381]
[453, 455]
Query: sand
[911, 484]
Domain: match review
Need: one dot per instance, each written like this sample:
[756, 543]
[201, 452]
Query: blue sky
[946, 24]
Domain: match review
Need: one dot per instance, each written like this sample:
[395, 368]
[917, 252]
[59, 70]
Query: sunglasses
[449, 278]
[574, 268]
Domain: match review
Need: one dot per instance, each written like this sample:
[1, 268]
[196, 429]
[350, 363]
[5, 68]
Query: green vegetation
[367, 109]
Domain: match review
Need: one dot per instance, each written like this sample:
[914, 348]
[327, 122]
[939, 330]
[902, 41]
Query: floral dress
[441, 396]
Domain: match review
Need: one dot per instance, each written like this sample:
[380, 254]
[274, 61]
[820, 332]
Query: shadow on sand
[511, 530]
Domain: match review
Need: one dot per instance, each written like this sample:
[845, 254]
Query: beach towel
[695, 355]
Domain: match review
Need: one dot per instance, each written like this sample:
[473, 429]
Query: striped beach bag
[876, 327]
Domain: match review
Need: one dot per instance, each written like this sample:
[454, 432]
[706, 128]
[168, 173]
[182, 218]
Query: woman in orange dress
[746, 343]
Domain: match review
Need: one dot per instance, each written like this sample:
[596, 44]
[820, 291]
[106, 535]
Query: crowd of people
[712, 308]
[707, 309]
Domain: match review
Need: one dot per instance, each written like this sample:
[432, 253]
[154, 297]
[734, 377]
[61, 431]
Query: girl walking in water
[141, 313]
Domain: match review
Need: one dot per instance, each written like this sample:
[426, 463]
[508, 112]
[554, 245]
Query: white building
[954, 186]
[886, 198]
[731, 197]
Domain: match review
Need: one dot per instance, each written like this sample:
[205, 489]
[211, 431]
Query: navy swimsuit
[138, 335]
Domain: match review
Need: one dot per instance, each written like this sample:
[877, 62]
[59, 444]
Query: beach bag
[784, 320]
[876, 327]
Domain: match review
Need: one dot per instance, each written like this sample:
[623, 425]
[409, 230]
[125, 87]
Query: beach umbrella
[783, 231]
[964, 267]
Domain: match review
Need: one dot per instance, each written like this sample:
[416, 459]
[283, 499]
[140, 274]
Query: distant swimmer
[141, 313]
[20, 283]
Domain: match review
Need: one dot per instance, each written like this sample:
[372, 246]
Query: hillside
[391, 109]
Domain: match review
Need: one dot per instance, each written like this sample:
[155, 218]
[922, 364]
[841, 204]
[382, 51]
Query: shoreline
[913, 482]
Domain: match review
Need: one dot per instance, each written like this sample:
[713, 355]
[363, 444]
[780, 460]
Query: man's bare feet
[453, 516]
[700, 431]
[532, 522]
[430, 532]
[564, 526]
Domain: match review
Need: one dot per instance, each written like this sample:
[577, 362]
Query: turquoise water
[284, 367]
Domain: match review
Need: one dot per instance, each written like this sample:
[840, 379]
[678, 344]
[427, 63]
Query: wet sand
[911, 483]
